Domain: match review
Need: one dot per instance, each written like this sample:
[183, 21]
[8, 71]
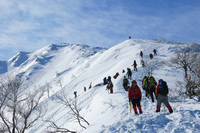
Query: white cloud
[30, 25]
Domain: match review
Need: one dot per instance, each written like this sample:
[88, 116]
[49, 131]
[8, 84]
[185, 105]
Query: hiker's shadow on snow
[178, 100]
[162, 55]
[60, 73]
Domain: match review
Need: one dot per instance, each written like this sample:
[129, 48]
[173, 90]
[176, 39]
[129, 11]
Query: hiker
[75, 94]
[135, 95]
[125, 83]
[142, 62]
[135, 65]
[154, 51]
[145, 85]
[129, 37]
[161, 95]
[104, 81]
[151, 56]
[129, 73]
[110, 84]
[123, 71]
[151, 86]
[141, 54]
[116, 75]
[84, 89]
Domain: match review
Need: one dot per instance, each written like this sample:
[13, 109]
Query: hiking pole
[131, 106]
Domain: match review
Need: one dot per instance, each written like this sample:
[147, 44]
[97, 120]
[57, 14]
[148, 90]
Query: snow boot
[140, 109]
[170, 109]
[111, 90]
[152, 100]
[135, 110]
[158, 109]
[146, 94]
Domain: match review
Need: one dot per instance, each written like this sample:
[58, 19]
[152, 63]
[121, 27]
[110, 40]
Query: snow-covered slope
[79, 65]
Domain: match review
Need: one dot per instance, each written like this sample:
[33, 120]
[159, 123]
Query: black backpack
[163, 88]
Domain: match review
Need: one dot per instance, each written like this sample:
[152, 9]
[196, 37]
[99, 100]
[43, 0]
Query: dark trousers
[147, 92]
[125, 85]
[135, 68]
[151, 91]
[135, 102]
[110, 87]
[129, 75]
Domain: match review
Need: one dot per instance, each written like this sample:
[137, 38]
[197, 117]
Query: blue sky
[28, 25]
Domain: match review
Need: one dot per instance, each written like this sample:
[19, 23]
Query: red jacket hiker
[135, 95]
[134, 92]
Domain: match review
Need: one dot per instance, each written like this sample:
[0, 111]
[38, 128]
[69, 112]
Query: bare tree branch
[19, 110]
[72, 104]
[57, 128]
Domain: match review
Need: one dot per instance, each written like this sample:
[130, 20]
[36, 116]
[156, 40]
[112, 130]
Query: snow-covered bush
[159, 40]
[189, 62]
[151, 65]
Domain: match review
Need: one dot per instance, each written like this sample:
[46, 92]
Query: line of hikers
[129, 73]
[151, 87]
[149, 84]
[150, 55]
[109, 82]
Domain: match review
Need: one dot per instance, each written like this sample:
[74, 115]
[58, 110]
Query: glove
[156, 97]
[129, 100]
[143, 87]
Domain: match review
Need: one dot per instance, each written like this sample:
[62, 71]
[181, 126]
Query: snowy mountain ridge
[79, 65]
[41, 57]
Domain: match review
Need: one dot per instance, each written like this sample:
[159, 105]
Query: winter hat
[134, 82]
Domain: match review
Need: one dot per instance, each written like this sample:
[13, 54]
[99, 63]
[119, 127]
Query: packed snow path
[182, 120]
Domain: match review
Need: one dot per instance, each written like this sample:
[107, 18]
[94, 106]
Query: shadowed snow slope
[79, 65]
